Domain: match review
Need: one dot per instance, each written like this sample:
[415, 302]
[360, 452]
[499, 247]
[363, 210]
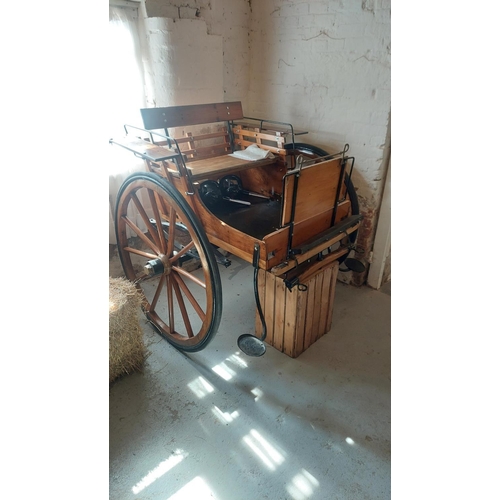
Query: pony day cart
[218, 184]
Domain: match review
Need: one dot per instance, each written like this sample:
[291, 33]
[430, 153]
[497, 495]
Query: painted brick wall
[226, 20]
[323, 65]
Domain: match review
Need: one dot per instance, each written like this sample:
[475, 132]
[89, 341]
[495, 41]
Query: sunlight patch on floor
[159, 470]
[302, 485]
[200, 387]
[224, 371]
[257, 393]
[223, 416]
[267, 453]
[237, 360]
[196, 489]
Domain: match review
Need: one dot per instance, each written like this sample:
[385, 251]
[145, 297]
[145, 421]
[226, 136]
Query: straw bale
[126, 343]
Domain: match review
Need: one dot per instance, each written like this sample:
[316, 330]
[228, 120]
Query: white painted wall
[323, 65]
[183, 63]
[197, 51]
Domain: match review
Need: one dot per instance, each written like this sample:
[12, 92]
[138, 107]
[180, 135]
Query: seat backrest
[199, 142]
[195, 114]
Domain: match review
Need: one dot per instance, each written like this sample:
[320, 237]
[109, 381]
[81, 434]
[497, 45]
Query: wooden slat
[275, 244]
[325, 301]
[331, 295]
[203, 151]
[343, 210]
[300, 323]
[308, 328]
[259, 136]
[318, 287]
[196, 138]
[269, 307]
[306, 229]
[320, 266]
[271, 128]
[290, 329]
[298, 318]
[220, 165]
[245, 144]
[299, 259]
[196, 114]
[279, 312]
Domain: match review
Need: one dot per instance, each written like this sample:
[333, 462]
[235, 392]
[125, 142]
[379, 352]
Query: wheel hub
[158, 266]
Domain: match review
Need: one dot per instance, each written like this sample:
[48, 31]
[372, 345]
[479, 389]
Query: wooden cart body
[307, 217]
[309, 211]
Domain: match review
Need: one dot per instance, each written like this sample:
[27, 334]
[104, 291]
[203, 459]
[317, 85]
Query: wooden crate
[296, 319]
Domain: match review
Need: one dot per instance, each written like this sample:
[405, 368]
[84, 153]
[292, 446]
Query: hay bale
[127, 352]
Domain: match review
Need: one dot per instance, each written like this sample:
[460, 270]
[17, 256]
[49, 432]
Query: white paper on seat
[252, 153]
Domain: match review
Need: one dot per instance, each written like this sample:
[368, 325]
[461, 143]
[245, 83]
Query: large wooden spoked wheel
[315, 152]
[166, 253]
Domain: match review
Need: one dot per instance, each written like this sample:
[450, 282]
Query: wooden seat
[222, 165]
[206, 152]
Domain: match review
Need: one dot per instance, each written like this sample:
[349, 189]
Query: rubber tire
[206, 247]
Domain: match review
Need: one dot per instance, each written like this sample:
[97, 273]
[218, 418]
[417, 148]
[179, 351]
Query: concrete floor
[220, 425]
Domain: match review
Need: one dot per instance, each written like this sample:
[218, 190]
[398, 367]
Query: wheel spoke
[157, 293]
[155, 223]
[145, 218]
[171, 232]
[194, 279]
[170, 302]
[190, 297]
[140, 252]
[159, 229]
[179, 254]
[182, 307]
[141, 235]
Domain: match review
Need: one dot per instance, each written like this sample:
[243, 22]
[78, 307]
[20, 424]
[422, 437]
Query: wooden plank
[244, 144]
[259, 136]
[290, 330]
[279, 313]
[298, 318]
[275, 244]
[309, 313]
[196, 114]
[343, 210]
[318, 286]
[222, 134]
[271, 128]
[269, 307]
[316, 191]
[300, 258]
[203, 152]
[307, 229]
[220, 165]
[325, 300]
[265, 180]
[331, 296]
[319, 266]
[300, 323]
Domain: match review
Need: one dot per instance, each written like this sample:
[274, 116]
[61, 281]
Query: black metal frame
[301, 163]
